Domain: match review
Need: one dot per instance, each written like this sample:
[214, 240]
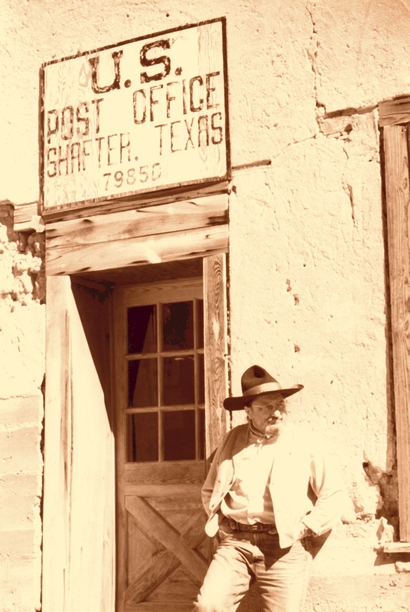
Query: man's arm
[329, 489]
[209, 483]
[212, 478]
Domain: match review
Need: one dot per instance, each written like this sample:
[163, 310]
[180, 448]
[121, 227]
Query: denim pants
[242, 558]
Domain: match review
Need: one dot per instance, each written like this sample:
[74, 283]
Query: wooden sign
[139, 117]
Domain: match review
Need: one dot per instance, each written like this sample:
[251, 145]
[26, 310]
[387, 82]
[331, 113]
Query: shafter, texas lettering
[143, 115]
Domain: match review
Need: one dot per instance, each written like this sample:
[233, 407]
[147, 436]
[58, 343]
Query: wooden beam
[215, 309]
[178, 216]
[160, 248]
[156, 234]
[26, 218]
[396, 547]
[394, 112]
[149, 199]
[398, 231]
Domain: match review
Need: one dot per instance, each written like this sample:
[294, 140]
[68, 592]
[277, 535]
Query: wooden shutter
[79, 528]
[395, 120]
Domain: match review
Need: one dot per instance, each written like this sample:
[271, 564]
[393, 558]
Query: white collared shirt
[248, 500]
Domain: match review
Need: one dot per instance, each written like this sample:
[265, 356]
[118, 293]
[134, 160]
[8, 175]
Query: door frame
[196, 228]
[215, 360]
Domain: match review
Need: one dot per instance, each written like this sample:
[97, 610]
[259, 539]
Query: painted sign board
[139, 117]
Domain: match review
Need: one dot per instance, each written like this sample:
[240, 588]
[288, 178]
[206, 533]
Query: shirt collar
[255, 431]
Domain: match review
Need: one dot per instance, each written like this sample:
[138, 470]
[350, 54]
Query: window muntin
[165, 380]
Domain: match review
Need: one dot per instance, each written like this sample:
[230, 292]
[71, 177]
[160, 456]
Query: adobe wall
[307, 255]
[21, 414]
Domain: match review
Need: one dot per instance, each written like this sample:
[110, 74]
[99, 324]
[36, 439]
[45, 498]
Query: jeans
[242, 558]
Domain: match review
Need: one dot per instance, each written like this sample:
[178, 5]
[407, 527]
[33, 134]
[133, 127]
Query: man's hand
[305, 531]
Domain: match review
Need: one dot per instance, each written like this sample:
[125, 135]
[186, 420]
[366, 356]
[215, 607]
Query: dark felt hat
[257, 381]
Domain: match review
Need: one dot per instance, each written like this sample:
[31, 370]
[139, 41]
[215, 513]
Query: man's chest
[252, 466]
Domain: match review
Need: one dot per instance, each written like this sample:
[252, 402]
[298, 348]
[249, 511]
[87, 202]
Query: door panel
[79, 474]
[163, 552]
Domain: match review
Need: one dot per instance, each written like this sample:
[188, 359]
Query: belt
[256, 527]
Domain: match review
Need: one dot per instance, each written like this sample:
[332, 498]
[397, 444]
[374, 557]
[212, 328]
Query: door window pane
[142, 332]
[142, 434]
[179, 435]
[164, 361]
[178, 381]
[142, 383]
[178, 326]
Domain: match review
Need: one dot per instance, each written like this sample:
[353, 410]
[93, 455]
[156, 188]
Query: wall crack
[312, 52]
[291, 144]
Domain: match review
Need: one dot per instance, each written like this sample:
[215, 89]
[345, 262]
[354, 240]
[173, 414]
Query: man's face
[268, 414]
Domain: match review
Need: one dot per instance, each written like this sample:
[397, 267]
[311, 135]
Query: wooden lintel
[173, 246]
[145, 200]
[396, 547]
[395, 140]
[152, 220]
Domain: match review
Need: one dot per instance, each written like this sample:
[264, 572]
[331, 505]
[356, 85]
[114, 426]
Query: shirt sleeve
[209, 484]
[329, 489]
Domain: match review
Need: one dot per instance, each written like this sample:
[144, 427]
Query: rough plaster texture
[20, 495]
[307, 258]
[21, 415]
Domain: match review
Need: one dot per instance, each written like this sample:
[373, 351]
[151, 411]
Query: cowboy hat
[257, 381]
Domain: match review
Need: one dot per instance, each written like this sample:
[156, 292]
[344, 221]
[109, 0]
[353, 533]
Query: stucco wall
[21, 414]
[307, 258]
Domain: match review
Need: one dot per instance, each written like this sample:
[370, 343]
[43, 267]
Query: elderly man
[270, 489]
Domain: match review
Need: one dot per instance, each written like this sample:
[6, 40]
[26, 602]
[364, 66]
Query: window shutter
[394, 121]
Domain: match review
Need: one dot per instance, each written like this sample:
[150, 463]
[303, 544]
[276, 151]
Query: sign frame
[144, 196]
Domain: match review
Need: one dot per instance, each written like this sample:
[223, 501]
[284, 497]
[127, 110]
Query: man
[269, 490]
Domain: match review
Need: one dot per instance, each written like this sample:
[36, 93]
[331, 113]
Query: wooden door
[162, 550]
[79, 472]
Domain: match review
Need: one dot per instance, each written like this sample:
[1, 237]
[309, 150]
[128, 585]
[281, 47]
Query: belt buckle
[253, 527]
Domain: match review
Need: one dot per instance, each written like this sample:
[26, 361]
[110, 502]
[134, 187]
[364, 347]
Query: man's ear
[247, 410]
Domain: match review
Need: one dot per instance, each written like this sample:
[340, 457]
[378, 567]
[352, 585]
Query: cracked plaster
[361, 52]
[22, 310]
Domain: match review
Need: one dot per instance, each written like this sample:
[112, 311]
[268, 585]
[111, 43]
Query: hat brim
[237, 403]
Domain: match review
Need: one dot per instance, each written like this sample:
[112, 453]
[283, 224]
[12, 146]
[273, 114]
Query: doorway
[160, 444]
[138, 438]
